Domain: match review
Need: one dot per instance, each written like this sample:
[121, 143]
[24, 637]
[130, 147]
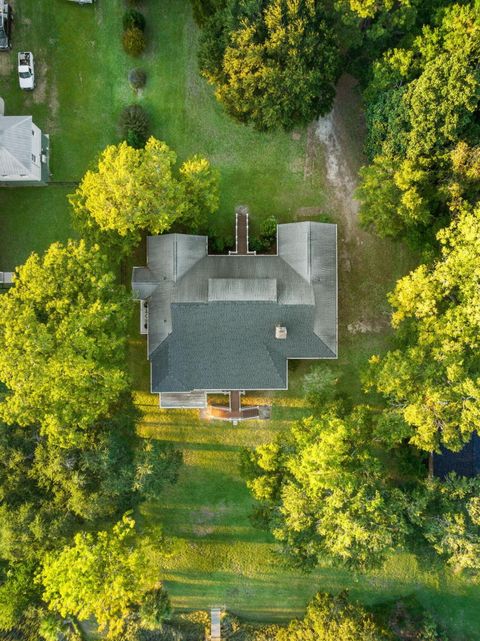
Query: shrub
[137, 78]
[220, 245]
[133, 41]
[133, 18]
[155, 609]
[135, 125]
[319, 386]
[265, 242]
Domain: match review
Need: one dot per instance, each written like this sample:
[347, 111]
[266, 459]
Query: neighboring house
[24, 152]
[466, 462]
[231, 323]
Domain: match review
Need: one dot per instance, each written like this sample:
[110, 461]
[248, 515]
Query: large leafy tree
[133, 191]
[421, 103]
[102, 575]
[450, 521]
[324, 491]
[330, 618]
[434, 379]
[274, 63]
[63, 328]
[47, 493]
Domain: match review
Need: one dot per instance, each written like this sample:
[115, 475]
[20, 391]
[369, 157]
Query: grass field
[219, 558]
[81, 89]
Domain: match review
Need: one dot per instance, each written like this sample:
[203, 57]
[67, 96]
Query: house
[466, 462]
[24, 152]
[230, 323]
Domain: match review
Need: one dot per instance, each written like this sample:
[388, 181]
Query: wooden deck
[183, 400]
[234, 411]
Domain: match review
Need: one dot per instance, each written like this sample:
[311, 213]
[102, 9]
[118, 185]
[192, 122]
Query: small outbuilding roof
[466, 462]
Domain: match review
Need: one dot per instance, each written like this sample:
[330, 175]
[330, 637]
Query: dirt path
[342, 149]
[368, 265]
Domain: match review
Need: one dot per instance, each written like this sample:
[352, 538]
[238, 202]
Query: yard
[219, 558]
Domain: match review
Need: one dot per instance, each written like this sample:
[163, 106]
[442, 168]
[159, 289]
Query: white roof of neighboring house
[16, 146]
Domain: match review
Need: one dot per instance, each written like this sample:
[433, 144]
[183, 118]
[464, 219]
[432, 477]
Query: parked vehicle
[26, 70]
[83, 1]
[6, 18]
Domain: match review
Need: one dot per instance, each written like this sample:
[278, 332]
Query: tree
[370, 8]
[434, 378]
[330, 618]
[62, 339]
[323, 490]
[102, 575]
[274, 63]
[133, 191]
[17, 591]
[421, 103]
[451, 521]
[319, 386]
[155, 609]
[97, 480]
[203, 9]
[201, 198]
[156, 464]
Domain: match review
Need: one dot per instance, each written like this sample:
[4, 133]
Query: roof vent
[280, 332]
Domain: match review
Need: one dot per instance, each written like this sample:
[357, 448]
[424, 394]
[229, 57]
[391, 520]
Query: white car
[26, 70]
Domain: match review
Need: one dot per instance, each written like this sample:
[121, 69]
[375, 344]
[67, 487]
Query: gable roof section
[323, 276]
[15, 146]
[294, 247]
[169, 257]
[310, 248]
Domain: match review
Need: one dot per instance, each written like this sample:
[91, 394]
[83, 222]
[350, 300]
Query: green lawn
[82, 87]
[219, 558]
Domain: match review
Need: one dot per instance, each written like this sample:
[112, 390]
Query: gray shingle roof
[212, 318]
[226, 345]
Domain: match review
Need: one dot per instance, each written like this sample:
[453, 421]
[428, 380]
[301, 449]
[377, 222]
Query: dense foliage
[133, 191]
[133, 40]
[62, 338]
[421, 104]
[451, 522]
[434, 378]
[342, 490]
[103, 575]
[70, 458]
[274, 63]
[135, 124]
[324, 492]
[331, 618]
